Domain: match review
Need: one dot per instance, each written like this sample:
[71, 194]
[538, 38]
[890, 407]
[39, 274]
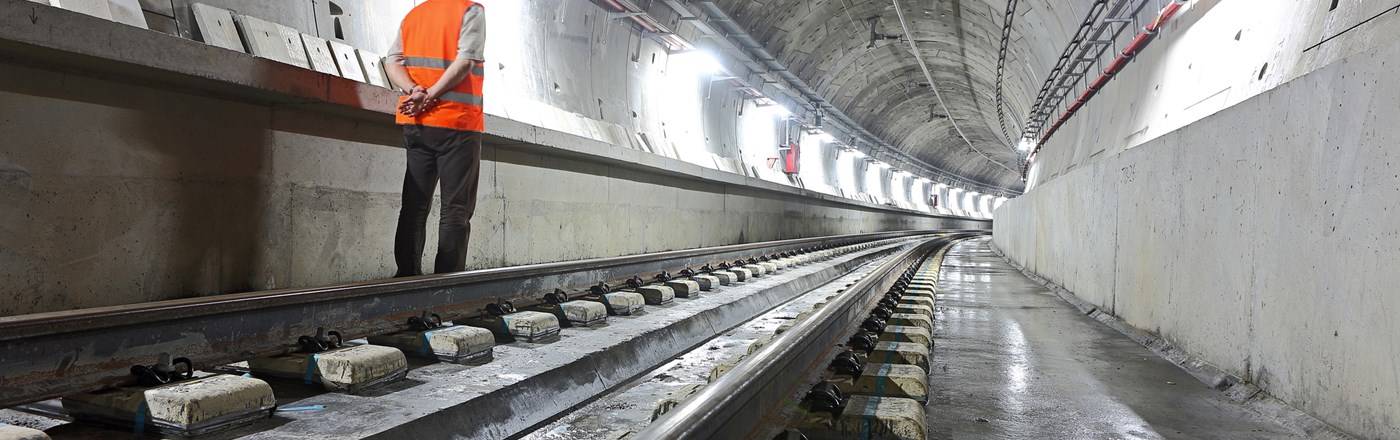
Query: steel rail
[48, 355]
[747, 402]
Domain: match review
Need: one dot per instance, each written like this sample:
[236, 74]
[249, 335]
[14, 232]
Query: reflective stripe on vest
[430, 34]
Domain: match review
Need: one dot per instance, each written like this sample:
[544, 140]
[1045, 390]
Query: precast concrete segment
[529, 383]
[629, 408]
[1013, 361]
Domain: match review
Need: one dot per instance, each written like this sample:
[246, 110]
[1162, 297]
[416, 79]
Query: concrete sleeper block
[352, 369]
[186, 408]
[657, 295]
[685, 288]
[870, 417]
[904, 333]
[741, 274]
[458, 344]
[726, 277]
[624, 303]
[12, 432]
[530, 326]
[585, 313]
[915, 309]
[888, 380]
[707, 282]
[922, 300]
[911, 319]
[907, 353]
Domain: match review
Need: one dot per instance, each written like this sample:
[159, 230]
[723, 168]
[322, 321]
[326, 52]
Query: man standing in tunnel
[437, 64]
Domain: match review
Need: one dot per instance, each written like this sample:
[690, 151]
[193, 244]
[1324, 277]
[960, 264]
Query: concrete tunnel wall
[1258, 238]
[119, 190]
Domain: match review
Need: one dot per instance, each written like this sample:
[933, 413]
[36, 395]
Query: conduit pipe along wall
[1138, 43]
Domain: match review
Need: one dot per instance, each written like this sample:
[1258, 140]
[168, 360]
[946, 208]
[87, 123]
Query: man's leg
[419, 181]
[459, 164]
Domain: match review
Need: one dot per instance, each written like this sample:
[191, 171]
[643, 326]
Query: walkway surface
[1013, 361]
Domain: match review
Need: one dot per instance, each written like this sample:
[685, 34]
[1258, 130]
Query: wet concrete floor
[1013, 361]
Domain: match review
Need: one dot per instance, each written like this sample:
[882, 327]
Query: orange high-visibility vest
[429, 35]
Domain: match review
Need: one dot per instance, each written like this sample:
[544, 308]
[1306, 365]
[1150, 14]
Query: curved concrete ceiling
[828, 44]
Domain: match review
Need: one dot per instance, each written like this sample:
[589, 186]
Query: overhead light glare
[698, 61]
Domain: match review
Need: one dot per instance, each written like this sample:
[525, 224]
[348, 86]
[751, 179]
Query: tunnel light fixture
[1025, 145]
[771, 106]
[699, 61]
[825, 137]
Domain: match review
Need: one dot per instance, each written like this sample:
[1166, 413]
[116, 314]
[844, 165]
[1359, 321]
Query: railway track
[791, 382]
[45, 356]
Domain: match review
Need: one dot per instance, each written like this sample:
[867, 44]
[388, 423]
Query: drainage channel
[855, 366]
[504, 371]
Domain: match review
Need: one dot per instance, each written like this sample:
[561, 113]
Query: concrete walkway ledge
[1246, 394]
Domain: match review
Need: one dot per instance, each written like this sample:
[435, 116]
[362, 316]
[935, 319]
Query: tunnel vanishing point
[700, 219]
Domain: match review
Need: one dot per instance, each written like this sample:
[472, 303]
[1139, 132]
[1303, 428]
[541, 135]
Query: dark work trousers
[434, 154]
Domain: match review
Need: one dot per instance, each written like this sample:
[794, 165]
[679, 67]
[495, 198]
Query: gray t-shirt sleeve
[471, 40]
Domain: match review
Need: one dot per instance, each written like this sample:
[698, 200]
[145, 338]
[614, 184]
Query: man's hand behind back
[417, 103]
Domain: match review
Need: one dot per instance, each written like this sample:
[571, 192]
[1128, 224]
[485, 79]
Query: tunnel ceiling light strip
[913, 47]
[730, 30]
